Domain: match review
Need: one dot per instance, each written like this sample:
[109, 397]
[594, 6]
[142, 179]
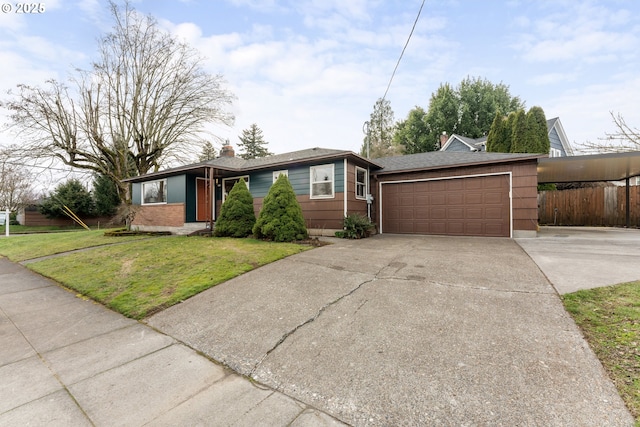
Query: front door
[203, 200]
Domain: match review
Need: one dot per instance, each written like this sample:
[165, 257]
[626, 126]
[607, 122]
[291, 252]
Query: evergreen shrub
[281, 217]
[237, 217]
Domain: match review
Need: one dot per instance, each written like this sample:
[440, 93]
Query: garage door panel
[473, 198]
[438, 213]
[477, 206]
[456, 213]
[474, 213]
[454, 184]
[493, 197]
[407, 214]
[456, 198]
[438, 199]
[493, 213]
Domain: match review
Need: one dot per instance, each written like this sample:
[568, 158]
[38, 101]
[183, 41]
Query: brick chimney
[443, 139]
[227, 151]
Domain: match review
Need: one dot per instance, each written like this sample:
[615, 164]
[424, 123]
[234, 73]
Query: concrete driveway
[406, 330]
[575, 258]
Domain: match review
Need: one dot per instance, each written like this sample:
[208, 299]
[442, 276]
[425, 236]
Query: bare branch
[625, 138]
[145, 102]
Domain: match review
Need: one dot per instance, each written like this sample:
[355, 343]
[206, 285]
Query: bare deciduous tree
[625, 138]
[15, 185]
[146, 101]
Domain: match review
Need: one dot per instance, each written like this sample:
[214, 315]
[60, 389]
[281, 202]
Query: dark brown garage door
[477, 206]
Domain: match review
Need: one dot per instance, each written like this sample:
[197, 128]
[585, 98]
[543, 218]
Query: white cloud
[578, 31]
[585, 112]
[551, 78]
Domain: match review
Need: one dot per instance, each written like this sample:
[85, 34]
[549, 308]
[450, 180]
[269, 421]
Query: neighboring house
[559, 144]
[480, 194]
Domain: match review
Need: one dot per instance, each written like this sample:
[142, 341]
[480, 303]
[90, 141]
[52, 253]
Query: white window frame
[312, 182]
[276, 174]
[164, 181]
[233, 178]
[554, 152]
[365, 184]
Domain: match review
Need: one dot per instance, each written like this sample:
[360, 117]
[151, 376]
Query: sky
[308, 72]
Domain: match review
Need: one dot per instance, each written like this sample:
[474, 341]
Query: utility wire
[403, 49]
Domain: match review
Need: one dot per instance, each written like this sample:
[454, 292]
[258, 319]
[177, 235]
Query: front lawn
[142, 277]
[23, 247]
[610, 320]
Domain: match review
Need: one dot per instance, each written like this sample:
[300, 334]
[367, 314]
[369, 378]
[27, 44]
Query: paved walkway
[65, 361]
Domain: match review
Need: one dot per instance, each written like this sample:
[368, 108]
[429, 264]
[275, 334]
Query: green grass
[610, 320]
[142, 277]
[23, 247]
[22, 229]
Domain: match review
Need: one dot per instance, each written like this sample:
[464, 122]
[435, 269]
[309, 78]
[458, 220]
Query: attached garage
[458, 194]
[461, 206]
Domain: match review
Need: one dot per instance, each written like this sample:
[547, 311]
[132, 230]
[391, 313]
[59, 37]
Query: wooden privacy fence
[599, 206]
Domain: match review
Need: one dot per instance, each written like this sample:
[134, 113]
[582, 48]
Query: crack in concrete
[312, 319]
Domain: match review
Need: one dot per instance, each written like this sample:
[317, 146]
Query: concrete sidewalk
[65, 361]
[406, 330]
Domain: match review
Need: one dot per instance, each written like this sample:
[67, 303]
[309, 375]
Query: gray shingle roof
[237, 164]
[445, 159]
[276, 159]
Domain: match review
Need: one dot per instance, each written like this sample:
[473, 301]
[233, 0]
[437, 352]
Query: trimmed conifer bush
[236, 214]
[281, 217]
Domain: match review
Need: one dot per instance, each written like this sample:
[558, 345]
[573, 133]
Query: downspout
[368, 193]
[212, 202]
[344, 191]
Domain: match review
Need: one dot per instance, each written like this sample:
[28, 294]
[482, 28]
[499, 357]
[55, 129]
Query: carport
[591, 168]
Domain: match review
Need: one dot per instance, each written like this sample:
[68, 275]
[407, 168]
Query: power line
[403, 49]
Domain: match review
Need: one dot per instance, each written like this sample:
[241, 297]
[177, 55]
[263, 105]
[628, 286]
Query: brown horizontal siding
[354, 205]
[524, 187]
[318, 213]
[169, 215]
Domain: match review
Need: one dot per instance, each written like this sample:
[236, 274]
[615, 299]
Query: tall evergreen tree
[537, 124]
[105, 195]
[208, 152]
[499, 138]
[378, 141]
[252, 143]
[521, 140]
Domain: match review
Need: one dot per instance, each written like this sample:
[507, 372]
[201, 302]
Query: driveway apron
[406, 330]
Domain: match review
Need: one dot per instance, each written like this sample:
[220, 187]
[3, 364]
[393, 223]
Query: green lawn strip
[20, 248]
[140, 278]
[610, 320]
[21, 229]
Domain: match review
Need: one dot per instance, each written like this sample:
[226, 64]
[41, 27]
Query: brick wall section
[524, 188]
[169, 215]
[36, 219]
